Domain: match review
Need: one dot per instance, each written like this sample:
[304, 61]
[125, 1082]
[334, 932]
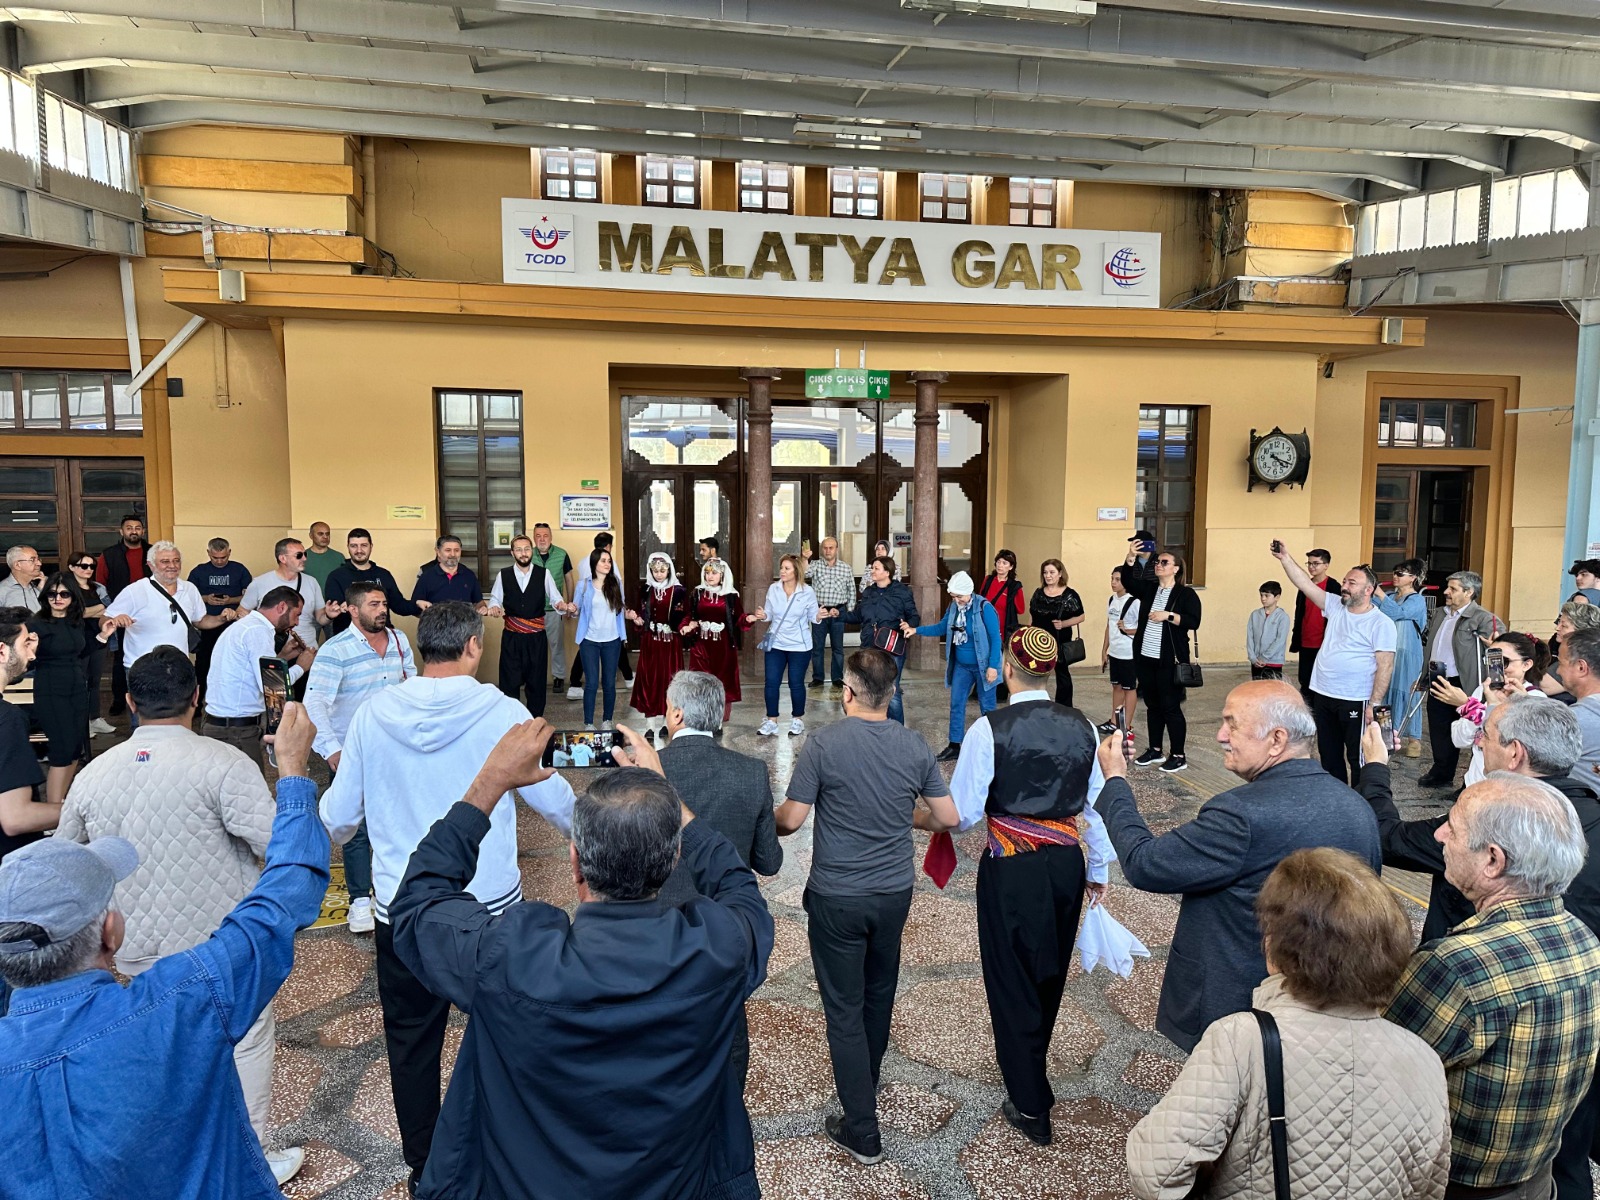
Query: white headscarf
[660, 589]
[727, 581]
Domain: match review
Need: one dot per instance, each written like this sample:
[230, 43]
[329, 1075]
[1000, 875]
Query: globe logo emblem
[1125, 267]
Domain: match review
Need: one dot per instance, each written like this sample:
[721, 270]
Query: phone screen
[581, 748]
[1384, 716]
[274, 690]
[1495, 664]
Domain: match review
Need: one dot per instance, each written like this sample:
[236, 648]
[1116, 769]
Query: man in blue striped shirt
[351, 667]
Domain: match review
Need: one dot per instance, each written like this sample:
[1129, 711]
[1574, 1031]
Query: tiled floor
[943, 1134]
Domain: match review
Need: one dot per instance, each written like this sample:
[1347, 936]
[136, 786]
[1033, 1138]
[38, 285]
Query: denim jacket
[132, 1091]
[983, 632]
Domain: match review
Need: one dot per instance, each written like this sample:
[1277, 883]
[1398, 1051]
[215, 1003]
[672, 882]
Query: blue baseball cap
[60, 886]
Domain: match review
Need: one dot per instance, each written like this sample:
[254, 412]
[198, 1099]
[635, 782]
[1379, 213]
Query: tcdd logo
[1125, 268]
[545, 237]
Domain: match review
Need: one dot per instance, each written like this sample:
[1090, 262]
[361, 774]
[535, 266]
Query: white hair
[1534, 825]
[16, 552]
[163, 547]
[1288, 713]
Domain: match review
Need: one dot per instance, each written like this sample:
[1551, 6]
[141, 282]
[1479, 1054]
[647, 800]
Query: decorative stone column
[758, 505]
[925, 514]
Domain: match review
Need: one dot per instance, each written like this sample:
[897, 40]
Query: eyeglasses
[1397, 573]
[300, 554]
[83, 566]
[1165, 562]
[58, 595]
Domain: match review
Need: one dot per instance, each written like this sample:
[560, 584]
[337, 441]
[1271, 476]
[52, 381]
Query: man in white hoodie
[403, 758]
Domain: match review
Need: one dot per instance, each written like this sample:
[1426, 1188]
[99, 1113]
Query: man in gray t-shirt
[863, 775]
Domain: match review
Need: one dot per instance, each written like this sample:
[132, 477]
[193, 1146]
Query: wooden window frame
[1030, 204]
[1153, 516]
[764, 187]
[670, 183]
[110, 381]
[452, 520]
[934, 189]
[569, 176]
[852, 194]
[1387, 409]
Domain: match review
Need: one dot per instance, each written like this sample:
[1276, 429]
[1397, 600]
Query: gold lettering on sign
[814, 243]
[772, 258]
[1017, 268]
[902, 264]
[1059, 262]
[720, 269]
[680, 251]
[971, 274]
[860, 256]
[639, 246]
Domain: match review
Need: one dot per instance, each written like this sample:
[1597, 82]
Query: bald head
[1264, 722]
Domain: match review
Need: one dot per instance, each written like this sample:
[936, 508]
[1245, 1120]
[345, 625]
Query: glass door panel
[658, 522]
[897, 525]
[787, 512]
[955, 531]
[712, 517]
[844, 513]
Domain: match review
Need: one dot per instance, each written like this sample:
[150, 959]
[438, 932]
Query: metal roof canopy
[1354, 99]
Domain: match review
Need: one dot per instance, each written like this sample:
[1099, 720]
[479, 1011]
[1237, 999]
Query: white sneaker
[768, 728]
[286, 1163]
[796, 727]
[605, 725]
[574, 693]
[589, 727]
[361, 915]
[625, 684]
[100, 726]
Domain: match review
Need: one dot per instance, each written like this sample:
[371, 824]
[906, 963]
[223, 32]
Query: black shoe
[815, 683]
[949, 754]
[838, 683]
[1035, 1129]
[558, 685]
[1150, 757]
[1433, 780]
[1175, 762]
[866, 1154]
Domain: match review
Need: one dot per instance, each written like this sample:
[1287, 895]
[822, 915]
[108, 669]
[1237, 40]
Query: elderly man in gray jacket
[199, 813]
[1457, 633]
[1219, 861]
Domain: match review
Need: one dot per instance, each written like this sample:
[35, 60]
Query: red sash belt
[518, 625]
[1010, 835]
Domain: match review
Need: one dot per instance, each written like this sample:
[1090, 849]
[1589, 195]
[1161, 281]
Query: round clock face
[1275, 458]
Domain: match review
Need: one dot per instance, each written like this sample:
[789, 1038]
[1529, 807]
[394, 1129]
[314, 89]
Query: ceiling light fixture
[843, 133]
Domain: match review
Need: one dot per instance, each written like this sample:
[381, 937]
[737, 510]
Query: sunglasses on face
[83, 566]
[300, 554]
[1165, 562]
[59, 595]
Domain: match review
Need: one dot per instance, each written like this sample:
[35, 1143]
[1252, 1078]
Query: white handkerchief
[1104, 940]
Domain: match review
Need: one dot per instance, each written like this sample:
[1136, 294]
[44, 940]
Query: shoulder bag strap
[172, 600]
[1277, 1124]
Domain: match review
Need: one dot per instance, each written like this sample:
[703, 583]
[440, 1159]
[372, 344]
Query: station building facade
[374, 367]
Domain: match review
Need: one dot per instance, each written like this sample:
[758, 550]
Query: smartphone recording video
[581, 748]
[1494, 663]
[1384, 716]
[275, 694]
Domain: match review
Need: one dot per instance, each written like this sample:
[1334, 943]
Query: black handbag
[1188, 674]
[1073, 650]
[1277, 1121]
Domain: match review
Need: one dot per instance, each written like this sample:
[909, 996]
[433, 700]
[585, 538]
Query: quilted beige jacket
[1368, 1115]
[199, 813]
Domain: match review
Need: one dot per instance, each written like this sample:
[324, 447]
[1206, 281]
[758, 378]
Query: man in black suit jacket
[725, 790]
[1219, 861]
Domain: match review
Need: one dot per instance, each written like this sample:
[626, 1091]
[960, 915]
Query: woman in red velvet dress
[663, 607]
[716, 619]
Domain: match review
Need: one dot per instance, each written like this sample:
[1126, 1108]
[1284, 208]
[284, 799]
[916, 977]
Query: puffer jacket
[199, 813]
[1367, 1112]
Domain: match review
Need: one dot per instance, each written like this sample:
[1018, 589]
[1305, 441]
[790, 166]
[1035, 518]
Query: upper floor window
[570, 175]
[1164, 486]
[671, 182]
[855, 192]
[946, 198]
[766, 187]
[68, 402]
[1033, 202]
[1428, 424]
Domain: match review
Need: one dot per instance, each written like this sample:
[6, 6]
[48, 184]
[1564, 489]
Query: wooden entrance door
[61, 505]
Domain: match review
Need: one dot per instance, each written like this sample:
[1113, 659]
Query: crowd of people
[1462, 1067]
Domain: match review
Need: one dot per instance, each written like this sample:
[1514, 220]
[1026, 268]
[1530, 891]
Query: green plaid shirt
[1509, 999]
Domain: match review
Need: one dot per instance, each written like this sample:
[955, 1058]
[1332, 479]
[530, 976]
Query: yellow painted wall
[439, 204]
[1173, 212]
[1540, 349]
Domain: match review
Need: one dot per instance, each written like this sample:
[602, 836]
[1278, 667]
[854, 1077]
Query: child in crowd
[1266, 636]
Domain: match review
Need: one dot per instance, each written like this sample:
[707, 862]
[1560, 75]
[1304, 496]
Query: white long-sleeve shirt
[791, 632]
[551, 592]
[233, 685]
[969, 788]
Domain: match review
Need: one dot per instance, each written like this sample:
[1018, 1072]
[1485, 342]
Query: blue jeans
[897, 701]
[599, 666]
[820, 632]
[794, 661]
[963, 679]
[357, 858]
